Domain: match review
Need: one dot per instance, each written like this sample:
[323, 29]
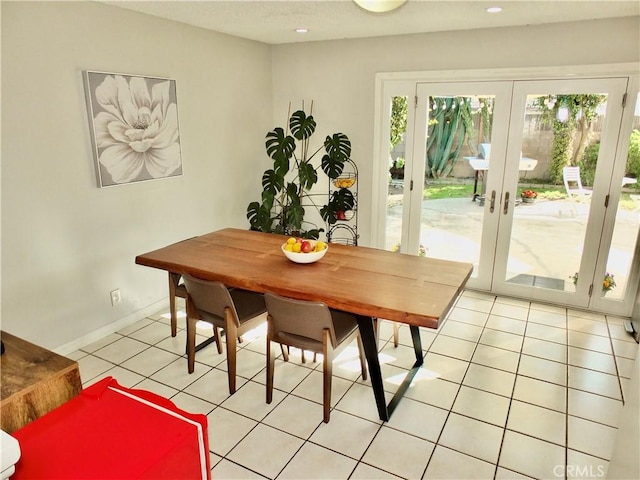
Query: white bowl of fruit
[301, 250]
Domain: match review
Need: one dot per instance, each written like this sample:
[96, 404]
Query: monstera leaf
[331, 166]
[338, 149]
[259, 217]
[294, 211]
[307, 175]
[301, 125]
[338, 146]
[340, 201]
[280, 147]
[272, 182]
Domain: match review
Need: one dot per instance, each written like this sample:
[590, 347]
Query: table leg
[370, 344]
[174, 279]
[406, 383]
[475, 186]
[483, 189]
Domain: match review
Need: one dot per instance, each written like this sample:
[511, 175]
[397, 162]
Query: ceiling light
[494, 9]
[379, 6]
[302, 30]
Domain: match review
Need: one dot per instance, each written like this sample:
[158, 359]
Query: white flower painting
[135, 127]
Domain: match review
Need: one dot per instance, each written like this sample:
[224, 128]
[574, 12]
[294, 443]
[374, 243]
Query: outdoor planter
[529, 196]
[397, 173]
[608, 282]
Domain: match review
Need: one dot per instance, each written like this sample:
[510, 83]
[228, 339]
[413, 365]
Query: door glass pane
[557, 166]
[456, 169]
[397, 155]
[625, 232]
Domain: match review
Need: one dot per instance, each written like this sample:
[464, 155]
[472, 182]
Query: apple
[306, 247]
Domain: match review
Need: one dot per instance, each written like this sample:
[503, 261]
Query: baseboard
[111, 328]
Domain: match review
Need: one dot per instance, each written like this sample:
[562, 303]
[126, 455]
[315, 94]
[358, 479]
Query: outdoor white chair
[574, 188]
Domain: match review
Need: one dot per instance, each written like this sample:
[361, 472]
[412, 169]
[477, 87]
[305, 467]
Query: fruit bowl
[301, 257]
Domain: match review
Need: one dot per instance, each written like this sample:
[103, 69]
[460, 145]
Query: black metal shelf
[345, 230]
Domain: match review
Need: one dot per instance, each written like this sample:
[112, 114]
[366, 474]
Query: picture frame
[134, 127]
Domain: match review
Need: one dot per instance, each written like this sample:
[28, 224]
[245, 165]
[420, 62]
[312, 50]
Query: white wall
[339, 75]
[67, 243]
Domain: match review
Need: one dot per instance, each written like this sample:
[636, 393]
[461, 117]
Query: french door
[556, 249]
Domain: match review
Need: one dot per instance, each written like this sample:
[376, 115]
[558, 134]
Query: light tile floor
[509, 389]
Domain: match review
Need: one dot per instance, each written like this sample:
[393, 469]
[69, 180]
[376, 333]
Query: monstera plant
[286, 187]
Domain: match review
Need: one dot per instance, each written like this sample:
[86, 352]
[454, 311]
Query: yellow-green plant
[608, 282]
[450, 120]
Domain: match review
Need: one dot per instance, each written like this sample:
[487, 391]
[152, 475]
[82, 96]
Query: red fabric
[110, 432]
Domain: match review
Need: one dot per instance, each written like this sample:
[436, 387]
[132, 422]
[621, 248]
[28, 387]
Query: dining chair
[396, 334]
[234, 310]
[177, 289]
[310, 326]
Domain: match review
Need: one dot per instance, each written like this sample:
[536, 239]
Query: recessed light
[494, 9]
[302, 30]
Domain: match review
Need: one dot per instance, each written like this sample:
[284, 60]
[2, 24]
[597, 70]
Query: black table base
[369, 337]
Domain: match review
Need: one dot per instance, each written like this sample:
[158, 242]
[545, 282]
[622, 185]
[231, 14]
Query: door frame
[615, 87]
[503, 91]
[404, 83]
[381, 168]
[600, 303]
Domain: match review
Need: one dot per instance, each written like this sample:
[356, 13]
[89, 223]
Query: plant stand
[345, 230]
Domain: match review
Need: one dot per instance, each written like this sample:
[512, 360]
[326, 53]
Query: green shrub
[588, 163]
[633, 157]
[590, 158]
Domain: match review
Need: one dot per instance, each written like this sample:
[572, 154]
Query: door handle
[493, 201]
[506, 203]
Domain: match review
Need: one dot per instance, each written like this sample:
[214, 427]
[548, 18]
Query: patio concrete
[546, 238]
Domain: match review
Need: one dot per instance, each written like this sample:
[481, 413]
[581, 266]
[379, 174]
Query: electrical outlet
[115, 296]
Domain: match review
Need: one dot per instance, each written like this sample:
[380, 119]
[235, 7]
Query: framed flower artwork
[134, 127]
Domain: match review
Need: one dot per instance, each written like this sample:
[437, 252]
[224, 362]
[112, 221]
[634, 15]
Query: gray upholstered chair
[180, 290]
[309, 326]
[234, 310]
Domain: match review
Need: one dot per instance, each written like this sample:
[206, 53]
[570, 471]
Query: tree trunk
[584, 127]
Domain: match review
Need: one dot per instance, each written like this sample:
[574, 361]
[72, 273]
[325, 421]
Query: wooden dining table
[370, 283]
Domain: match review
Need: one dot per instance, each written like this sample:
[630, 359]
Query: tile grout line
[566, 400]
[437, 442]
[615, 360]
[513, 389]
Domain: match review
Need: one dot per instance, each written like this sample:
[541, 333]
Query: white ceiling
[274, 22]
